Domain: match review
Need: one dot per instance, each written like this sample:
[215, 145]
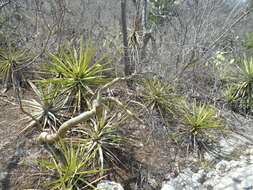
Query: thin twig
[17, 92]
[131, 114]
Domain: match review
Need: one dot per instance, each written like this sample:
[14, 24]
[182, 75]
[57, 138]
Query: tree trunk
[140, 27]
[141, 15]
[126, 59]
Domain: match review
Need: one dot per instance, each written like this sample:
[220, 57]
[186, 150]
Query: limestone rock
[109, 185]
[226, 175]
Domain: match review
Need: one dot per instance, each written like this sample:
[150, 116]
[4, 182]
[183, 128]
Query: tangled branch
[96, 105]
[3, 4]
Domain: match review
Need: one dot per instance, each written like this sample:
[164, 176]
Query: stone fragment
[109, 185]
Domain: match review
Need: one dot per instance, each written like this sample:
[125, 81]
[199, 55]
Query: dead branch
[2, 5]
[96, 105]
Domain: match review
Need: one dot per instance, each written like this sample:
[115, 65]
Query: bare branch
[228, 28]
[97, 103]
[4, 4]
[131, 114]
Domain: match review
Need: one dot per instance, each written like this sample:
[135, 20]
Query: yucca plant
[101, 138]
[77, 73]
[72, 172]
[199, 127]
[160, 96]
[12, 66]
[249, 40]
[242, 79]
[46, 108]
[229, 94]
[231, 98]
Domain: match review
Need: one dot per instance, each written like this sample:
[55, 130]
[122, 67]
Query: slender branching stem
[96, 105]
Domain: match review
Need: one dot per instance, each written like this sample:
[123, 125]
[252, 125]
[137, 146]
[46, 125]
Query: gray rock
[226, 175]
[236, 174]
[168, 187]
[185, 181]
[3, 176]
[247, 182]
[109, 185]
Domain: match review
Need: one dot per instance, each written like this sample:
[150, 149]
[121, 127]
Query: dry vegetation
[121, 90]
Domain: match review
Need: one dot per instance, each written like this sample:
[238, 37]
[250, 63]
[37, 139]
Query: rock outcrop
[109, 185]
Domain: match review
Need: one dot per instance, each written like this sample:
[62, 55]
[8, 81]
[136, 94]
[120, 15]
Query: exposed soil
[17, 151]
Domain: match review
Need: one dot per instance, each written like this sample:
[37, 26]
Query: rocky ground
[235, 173]
[231, 170]
[18, 152]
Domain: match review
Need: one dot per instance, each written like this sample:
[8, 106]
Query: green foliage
[101, 138]
[242, 82]
[2, 19]
[198, 128]
[249, 40]
[230, 94]
[74, 172]
[12, 66]
[77, 74]
[161, 96]
[46, 109]
[204, 164]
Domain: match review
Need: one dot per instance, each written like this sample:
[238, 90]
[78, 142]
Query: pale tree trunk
[126, 60]
[140, 27]
[141, 15]
[140, 33]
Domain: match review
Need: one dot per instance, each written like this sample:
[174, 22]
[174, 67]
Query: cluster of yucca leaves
[101, 138]
[72, 169]
[12, 66]
[49, 107]
[161, 96]
[76, 73]
[72, 78]
[83, 158]
[240, 90]
[197, 125]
